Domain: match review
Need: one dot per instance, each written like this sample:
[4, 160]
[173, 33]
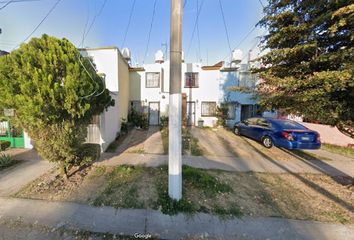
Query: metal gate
[12, 134]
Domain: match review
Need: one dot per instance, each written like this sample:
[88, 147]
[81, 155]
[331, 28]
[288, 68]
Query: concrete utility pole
[175, 106]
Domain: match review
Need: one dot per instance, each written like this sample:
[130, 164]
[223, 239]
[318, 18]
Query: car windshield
[284, 124]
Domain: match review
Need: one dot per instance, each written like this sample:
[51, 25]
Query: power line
[95, 17]
[87, 21]
[194, 28]
[198, 37]
[130, 17]
[40, 23]
[16, 1]
[6, 4]
[82, 43]
[243, 39]
[224, 21]
[149, 35]
[260, 1]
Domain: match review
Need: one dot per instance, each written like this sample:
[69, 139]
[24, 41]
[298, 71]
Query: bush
[5, 160]
[4, 145]
[89, 152]
[139, 119]
[55, 95]
[164, 121]
[124, 126]
[222, 115]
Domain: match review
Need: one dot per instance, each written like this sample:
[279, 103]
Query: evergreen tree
[309, 68]
[54, 97]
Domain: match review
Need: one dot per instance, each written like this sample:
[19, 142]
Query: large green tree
[309, 67]
[55, 93]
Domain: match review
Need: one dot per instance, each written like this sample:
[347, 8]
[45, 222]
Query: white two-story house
[204, 88]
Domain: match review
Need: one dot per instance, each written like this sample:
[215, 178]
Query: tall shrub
[54, 97]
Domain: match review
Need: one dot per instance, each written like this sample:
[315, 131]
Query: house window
[191, 80]
[152, 80]
[208, 109]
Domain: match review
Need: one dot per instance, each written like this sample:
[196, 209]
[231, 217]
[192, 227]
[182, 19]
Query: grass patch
[226, 194]
[98, 171]
[164, 136]
[139, 151]
[121, 191]
[347, 151]
[189, 143]
[310, 156]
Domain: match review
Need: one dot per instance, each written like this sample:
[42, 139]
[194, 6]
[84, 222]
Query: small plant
[164, 121]
[5, 160]
[138, 119]
[124, 126]
[222, 115]
[195, 148]
[200, 179]
[4, 145]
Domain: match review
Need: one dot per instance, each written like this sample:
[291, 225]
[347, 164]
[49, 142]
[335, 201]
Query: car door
[260, 128]
[248, 125]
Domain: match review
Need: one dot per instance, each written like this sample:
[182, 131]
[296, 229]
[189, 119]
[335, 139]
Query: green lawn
[349, 152]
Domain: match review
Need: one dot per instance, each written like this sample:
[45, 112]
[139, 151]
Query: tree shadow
[307, 182]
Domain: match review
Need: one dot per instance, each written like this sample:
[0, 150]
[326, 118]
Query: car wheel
[267, 142]
[237, 131]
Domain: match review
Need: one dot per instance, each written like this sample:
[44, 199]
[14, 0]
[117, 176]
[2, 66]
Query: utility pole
[175, 105]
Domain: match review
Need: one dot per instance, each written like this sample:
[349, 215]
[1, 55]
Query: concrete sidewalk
[332, 168]
[132, 221]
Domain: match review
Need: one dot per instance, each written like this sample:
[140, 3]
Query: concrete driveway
[242, 154]
[29, 168]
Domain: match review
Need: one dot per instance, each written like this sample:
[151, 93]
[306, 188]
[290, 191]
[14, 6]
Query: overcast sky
[68, 19]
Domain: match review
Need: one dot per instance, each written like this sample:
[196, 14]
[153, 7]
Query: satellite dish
[126, 54]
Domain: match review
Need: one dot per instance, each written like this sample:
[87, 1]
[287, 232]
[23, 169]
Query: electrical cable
[6, 4]
[95, 17]
[40, 23]
[226, 31]
[194, 28]
[149, 35]
[130, 17]
[198, 37]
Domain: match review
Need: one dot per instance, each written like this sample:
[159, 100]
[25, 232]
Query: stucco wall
[329, 134]
[123, 77]
[107, 62]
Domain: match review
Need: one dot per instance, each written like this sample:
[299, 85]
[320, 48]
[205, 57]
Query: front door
[190, 113]
[154, 113]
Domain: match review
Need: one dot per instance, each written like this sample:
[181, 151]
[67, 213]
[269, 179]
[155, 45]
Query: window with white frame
[152, 80]
[191, 80]
[208, 109]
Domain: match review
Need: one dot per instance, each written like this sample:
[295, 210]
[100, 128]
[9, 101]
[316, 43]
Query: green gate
[12, 134]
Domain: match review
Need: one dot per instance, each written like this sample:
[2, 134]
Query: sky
[70, 18]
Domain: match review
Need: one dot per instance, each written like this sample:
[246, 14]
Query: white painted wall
[213, 87]
[106, 61]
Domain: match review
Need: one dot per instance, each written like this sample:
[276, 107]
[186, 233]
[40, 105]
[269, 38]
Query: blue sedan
[278, 132]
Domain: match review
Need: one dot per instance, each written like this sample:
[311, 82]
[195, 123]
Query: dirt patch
[80, 187]
[295, 196]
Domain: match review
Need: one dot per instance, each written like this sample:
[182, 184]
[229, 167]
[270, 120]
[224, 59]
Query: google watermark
[142, 236]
